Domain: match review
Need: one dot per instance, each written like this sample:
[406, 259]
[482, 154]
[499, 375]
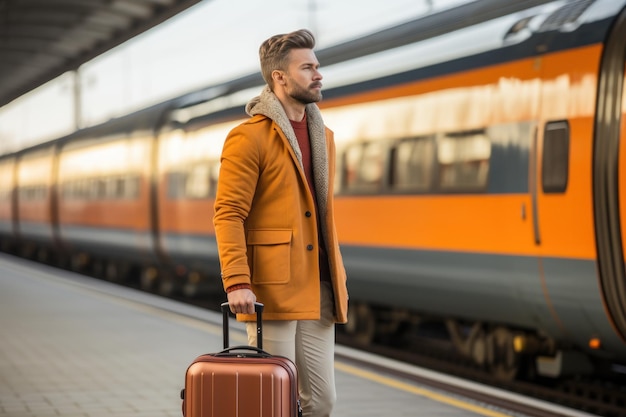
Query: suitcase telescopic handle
[258, 308]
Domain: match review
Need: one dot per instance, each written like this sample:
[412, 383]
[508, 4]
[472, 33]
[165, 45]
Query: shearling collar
[268, 105]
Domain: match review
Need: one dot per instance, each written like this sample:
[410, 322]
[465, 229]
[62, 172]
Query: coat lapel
[268, 105]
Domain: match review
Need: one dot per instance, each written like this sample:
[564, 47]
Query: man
[274, 221]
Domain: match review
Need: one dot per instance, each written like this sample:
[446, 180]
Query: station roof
[42, 39]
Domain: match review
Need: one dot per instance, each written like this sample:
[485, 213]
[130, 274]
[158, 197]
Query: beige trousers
[310, 344]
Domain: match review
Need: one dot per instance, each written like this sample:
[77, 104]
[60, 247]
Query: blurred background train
[481, 183]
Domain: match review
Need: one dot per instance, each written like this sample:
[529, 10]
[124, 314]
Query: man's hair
[274, 52]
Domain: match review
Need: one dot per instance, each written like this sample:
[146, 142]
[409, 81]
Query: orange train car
[480, 183]
[103, 187]
[33, 203]
[186, 172]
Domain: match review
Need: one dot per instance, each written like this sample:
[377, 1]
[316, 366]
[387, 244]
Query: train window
[66, 189]
[92, 189]
[412, 164]
[176, 184]
[110, 188]
[555, 162]
[214, 172]
[198, 182]
[76, 191]
[131, 189]
[83, 188]
[463, 160]
[69, 189]
[363, 167]
[350, 159]
[33, 192]
[119, 187]
[100, 188]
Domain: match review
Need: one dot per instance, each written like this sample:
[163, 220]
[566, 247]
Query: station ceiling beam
[42, 39]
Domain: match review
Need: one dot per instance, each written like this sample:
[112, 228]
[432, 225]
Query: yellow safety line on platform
[419, 391]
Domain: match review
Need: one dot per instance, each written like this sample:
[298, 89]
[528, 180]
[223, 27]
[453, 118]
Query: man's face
[303, 80]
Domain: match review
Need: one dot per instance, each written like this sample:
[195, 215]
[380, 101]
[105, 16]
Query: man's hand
[241, 301]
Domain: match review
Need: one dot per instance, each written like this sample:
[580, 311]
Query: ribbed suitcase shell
[241, 386]
[241, 381]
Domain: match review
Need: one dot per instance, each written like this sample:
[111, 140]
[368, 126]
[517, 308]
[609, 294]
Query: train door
[561, 201]
[576, 192]
[609, 176]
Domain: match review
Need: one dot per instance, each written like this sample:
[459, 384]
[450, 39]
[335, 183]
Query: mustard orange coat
[265, 216]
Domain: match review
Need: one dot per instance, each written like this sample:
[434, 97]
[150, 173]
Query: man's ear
[278, 77]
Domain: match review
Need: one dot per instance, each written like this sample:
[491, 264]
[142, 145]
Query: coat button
[309, 247]
[308, 214]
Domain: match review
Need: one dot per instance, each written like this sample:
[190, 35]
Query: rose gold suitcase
[241, 381]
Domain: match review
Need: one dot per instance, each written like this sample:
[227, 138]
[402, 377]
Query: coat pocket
[269, 254]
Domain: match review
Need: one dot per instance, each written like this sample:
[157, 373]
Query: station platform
[76, 346]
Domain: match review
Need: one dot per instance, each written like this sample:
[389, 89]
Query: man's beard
[304, 95]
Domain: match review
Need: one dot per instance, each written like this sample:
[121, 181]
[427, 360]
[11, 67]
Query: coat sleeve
[238, 176]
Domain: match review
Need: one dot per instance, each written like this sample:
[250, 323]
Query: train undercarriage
[504, 352]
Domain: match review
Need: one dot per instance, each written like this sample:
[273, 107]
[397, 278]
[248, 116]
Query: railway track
[493, 398]
[600, 396]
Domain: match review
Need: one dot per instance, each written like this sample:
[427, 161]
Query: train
[481, 184]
